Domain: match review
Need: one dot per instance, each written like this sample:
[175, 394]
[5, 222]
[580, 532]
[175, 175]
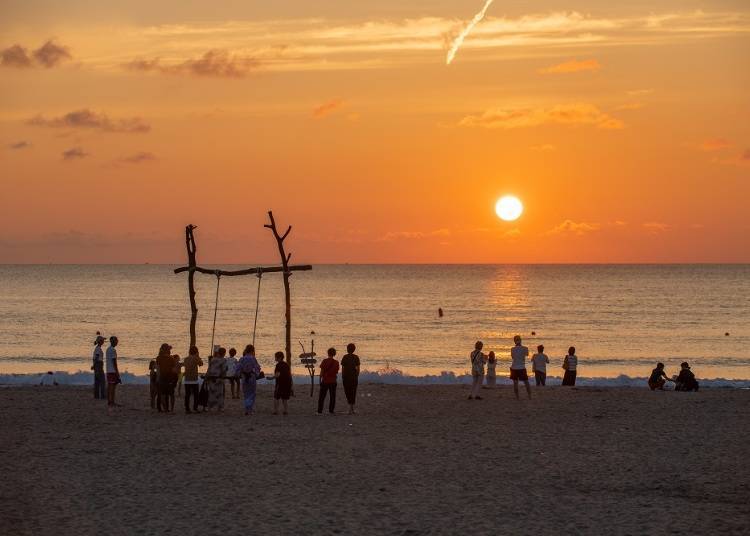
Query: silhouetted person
[440, 312]
[217, 371]
[166, 378]
[570, 365]
[153, 384]
[350, 375]
[283, 388]
[658, 378]
[329, 369]
[539, 365]
[232, 375]
[477, 359]
[97, 365]
[113, 373]
[518, 355]
[190, 379]
[686, 379]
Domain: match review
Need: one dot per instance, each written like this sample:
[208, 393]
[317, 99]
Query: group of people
[168, 372]
[684, 381]
[518, 373]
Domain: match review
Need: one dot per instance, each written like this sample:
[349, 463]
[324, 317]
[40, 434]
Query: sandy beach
[416, 460]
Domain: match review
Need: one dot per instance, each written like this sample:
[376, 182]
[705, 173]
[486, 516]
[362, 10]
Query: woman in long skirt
[570, 364]
[491, 370]
[217, 370]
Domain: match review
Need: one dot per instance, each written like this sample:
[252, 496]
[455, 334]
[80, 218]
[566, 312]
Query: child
[686, 380]
[491, 370]
[232, 375]
[658, 378]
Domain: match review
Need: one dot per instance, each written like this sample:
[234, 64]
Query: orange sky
[625, 131]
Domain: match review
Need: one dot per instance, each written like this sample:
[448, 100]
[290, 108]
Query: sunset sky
[624, 130]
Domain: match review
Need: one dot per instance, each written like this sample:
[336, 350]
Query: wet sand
[416, 460]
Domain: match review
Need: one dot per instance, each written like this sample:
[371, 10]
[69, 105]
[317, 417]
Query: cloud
[74, 153]
[413, 235]
[51, 54]
[48, 55]
[640, 92]
[574, 228]
[630, 106]
[19, 145]
[327, 108]
[215, 63]
[137, 158]
[86, 118]
[655, 227]
[15, 56]
[566, 114]
[714, 144]
[572, 66]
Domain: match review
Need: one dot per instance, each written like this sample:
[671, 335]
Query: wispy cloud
[49, 55]
[327, 108]
[630, 106]
[572, 66]
[714, 144]
[324, 44]
[140, 157]
[74, 153]
[19, 145]
[212, 64]
[571, 227]
[413, 235]
[655, 227]
[89, 119]
[565, 114]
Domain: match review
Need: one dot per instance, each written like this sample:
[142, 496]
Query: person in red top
[329, 370]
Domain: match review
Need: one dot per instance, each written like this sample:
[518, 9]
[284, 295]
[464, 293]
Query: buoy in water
[533, 332]
[726, 334]
[440, 312]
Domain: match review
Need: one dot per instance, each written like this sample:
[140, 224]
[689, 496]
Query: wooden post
[190, 244]
[285, 265]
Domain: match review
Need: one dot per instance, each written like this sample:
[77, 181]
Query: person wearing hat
[100, 380]
[686, 379]
[166, 378]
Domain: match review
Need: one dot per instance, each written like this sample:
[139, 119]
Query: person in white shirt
[539, 365]
[477, 370]
[232, 373]
[518, 355]
[100, 380]
[570, 364]
[113, 373]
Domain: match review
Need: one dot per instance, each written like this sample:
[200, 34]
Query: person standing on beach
[518, 355]
[232, 376]
[491, 370]
[166, 375]
[217, 371]
[113, 373]
[283, 388]
[477, 370]
[539, 366]
[100, 380]
[329, 370]
[570, 365]
[249, 370]
[153, 384]
[190, 379]
[350, 375]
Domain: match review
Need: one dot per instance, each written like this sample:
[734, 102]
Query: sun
[509, 208]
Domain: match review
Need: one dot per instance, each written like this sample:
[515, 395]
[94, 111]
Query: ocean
[622, 319]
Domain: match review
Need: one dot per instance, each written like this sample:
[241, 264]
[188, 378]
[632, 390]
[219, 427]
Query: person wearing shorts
[518, 355]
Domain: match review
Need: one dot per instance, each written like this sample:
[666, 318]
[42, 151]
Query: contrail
[460, 39]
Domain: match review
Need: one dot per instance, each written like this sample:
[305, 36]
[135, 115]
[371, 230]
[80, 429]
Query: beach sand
[416, 460]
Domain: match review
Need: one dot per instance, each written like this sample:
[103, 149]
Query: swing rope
[216, 308]
[257, 302]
